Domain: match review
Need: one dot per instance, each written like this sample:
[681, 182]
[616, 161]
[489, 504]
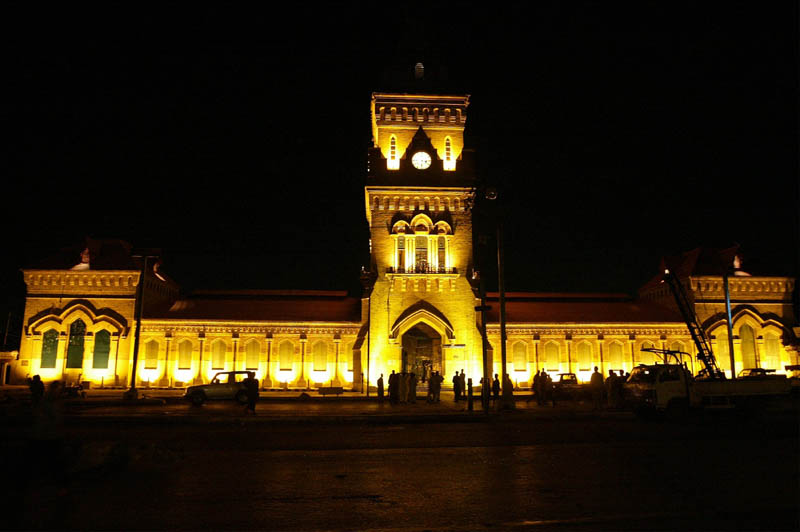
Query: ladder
[704, 354]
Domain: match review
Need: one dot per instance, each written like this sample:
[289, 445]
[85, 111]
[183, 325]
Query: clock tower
[418, 196]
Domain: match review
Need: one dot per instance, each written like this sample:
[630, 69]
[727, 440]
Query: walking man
[596, 384]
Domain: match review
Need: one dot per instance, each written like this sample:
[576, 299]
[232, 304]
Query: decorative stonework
[67, 282]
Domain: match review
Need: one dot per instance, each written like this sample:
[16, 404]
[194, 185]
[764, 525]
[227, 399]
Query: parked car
[225, 385]
[758, 373]
[567, 387]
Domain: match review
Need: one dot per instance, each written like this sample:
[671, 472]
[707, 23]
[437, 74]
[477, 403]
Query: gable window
[151, 355]
[520, 357]
[77, 333]
[49, 349]
[252, 352]
[552, 356]
[218, 355]
[102, 347]
[185, 355]
[285, 355]
[584, 356]
[320, 356]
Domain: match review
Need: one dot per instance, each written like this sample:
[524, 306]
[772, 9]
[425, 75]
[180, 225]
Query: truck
[670, 387]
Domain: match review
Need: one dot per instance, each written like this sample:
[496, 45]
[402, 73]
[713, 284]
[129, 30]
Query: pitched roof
[578, 308]
[263, 305]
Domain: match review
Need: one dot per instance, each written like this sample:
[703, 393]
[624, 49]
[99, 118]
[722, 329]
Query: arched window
[102, 347]
[442, 254]
[77, 333]
[584, 356]
[393, 163]
[185, 355]
[252, 352]
[520, 356]
[49, 349]
[218, 355]
[552, 356]
[285, 355]
[348, 356]
[645, 357]
[772, 350]
[449, 162]
[748, 339]
[320, 353]
[614, 359]
[722, 352]
[151, 355]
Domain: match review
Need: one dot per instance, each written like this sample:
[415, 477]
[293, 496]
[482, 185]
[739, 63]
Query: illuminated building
[417, 312]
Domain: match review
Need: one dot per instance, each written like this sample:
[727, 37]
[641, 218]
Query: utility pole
[507, 400]
[132, 392]
[485, 386]
[730, 322]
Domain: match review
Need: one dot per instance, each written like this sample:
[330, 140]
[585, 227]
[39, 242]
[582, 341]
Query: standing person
[412, 388]
[437, 389]
[536, 378]
[463, 385]
[393, 388]
[596, 384]
[251, 388]
[495, 388]
[380, 389]
[37, 390]
[457, 386]
[402, 380]
[550, 389]
[611, 392]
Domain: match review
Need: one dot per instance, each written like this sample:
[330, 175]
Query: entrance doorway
[422, 352]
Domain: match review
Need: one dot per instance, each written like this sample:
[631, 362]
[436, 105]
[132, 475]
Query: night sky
[236, 140]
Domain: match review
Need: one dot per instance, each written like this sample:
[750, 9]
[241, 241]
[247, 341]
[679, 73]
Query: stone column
[235, 350]
[632, 340]
[200, 369]
[336, 345]
[537, 364]
[168, 372]
[569, 354]
[267, 381]
[301, 381]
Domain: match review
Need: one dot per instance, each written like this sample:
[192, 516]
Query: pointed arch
[252, 353]
[424, 312]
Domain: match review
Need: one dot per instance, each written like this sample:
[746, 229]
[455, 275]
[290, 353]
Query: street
[214, 468]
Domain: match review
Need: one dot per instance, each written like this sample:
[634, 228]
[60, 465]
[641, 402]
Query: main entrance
[422, 351]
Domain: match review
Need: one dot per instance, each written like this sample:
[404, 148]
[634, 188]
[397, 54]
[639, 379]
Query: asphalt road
[513, 472]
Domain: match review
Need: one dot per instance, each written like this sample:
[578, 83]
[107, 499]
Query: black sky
[236, 140]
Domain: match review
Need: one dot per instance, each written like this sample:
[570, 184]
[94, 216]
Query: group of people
[402, 387]
[544, 388]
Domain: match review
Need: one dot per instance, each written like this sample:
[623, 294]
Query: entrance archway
[422, 351]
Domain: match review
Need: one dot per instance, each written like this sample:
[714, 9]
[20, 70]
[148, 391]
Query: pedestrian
[37, 390]
[457, 386]
[596, 385]
[536, 387]
[402, 381]
[251, 388]
[438, 379]
[495, 388]
[412, 388]
[550, 389]
[380, 389]
[393, 388]
[463, 384]
[611, 391]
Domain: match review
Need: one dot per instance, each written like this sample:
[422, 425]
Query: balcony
[422, 269]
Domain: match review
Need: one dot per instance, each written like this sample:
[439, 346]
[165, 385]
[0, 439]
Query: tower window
[421, 254]
[401, 254]
[393, 163]
[449, 162]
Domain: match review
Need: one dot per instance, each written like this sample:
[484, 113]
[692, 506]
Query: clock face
[421, 160]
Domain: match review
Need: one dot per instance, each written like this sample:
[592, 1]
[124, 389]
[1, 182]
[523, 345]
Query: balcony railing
[421, 269]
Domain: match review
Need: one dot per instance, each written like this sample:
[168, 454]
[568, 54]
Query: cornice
[94, 282]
